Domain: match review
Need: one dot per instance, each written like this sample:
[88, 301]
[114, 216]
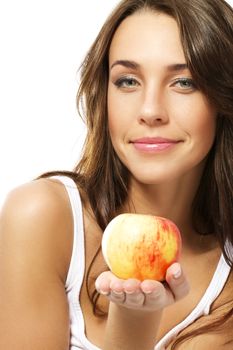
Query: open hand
[148, 295]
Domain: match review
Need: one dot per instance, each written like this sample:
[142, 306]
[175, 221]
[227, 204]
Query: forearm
[131, 329]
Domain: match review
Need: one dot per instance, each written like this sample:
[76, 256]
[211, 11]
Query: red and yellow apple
[141, 246]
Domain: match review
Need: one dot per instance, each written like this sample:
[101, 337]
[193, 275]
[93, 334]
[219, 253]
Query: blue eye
[126, 82]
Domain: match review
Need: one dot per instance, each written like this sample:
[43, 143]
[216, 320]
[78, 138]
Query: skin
[153, 99]
[151, 94]
[36, 224]
[156, 99]
[34, 260]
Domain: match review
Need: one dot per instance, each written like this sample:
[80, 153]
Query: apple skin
[141, 246]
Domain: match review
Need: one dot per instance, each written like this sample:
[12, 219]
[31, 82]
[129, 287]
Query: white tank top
[76, 273]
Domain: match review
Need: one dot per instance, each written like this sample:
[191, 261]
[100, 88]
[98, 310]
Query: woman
[156, 88]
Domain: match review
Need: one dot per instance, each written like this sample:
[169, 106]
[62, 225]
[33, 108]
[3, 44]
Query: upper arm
[33, 262]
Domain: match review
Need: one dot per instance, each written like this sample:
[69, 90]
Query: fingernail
[103, 292]
[147, 292]
[118, 292]
[177, 273]
[129, 291]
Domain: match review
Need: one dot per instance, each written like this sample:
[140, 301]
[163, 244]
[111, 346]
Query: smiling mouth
[153, 145]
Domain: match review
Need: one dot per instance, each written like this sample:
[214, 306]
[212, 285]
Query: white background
[42, 45]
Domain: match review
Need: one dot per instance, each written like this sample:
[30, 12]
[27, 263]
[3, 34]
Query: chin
[164, 174]
[150, 179]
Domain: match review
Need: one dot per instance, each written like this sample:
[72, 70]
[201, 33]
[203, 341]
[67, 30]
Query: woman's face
[161, 125]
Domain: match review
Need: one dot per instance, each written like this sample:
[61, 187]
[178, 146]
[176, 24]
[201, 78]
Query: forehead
[147, 35]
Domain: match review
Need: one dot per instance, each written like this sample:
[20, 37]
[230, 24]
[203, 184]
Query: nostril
[153, 120]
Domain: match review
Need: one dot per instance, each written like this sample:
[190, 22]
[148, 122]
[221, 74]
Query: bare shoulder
[35, 250]
[36, 195]
[39, 212]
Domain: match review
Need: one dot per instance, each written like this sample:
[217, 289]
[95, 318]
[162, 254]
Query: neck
[172, 200]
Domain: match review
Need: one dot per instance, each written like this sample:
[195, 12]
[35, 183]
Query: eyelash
[119, 83]
[186, 80]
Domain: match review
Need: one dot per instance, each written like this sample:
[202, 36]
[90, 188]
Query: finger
[117, 294]
[149, 286]
[134, 298]
[156, 296]
[177, 281]
[102, 283]
[117, 297]
[131, 286]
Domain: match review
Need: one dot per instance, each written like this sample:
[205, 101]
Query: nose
[153, 108]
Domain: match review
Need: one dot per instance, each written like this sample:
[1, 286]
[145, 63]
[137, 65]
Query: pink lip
[153, 144]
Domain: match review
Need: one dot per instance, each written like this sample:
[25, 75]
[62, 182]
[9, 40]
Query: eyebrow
[126, 63]
[176, 67]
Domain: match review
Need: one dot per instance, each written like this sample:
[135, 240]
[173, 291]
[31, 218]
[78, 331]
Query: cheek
[199, 121]
[203, 136]
[205, 129]
[120, 115]
[113, 121]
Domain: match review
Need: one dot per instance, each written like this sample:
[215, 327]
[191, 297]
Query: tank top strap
[203, 307]
[77, 257]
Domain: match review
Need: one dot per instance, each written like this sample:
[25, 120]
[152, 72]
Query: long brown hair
[206, 32]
